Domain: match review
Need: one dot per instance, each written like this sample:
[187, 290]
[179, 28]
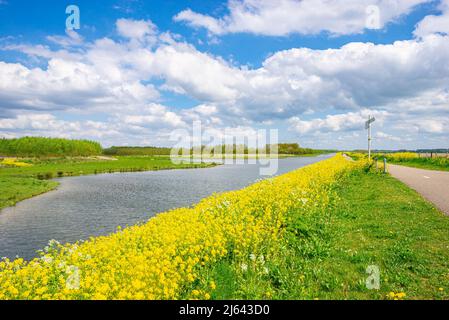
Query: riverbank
[94, 205]
[18, 183]
[172, 255]
[22, 182]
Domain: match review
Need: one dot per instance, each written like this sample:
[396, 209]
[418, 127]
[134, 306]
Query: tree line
[54, 147]
[281, 148]
[136, 151]
[48, 147]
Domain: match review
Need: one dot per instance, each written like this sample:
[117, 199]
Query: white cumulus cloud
[435, 23]
[284, 17]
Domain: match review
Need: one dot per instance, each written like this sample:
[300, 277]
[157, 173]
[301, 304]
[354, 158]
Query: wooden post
[369, 140]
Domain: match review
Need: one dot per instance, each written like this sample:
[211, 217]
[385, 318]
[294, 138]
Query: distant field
[222, 157]
[285, 149]
[416, 160]
[426, 163]
[409, 159]
[22, 182]
[431, 164]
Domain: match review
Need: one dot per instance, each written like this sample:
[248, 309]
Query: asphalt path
[431, 184]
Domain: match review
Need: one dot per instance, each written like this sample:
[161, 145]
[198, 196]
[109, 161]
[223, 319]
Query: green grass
[391, 226]
[19, 183]
[374, 220]
[426, 163]
[435, 163]
[15, 189]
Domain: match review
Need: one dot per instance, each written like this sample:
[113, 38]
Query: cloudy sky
[313, 69]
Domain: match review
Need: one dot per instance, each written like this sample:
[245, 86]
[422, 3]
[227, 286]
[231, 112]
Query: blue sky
[138, 70]
[34, 22]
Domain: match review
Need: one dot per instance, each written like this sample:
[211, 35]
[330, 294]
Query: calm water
[95, 205]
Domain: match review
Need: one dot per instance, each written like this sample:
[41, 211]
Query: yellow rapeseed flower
[163, 257]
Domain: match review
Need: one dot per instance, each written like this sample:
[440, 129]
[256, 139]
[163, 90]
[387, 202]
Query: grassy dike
[174, 255]
[373, 220]
[308, 234]
[19, 183]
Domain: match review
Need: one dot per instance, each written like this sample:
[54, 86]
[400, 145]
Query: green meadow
[326, 253]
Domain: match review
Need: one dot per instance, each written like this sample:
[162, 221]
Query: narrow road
[432, 185]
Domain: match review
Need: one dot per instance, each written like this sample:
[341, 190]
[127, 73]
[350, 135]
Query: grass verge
[409, 159]
[441, 164]
[374, 220]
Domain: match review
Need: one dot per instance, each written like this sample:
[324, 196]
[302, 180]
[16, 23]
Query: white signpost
[368, 127]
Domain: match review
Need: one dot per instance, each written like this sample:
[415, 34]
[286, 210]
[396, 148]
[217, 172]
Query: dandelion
[244, 267]
[195, 293]
[401, 295]
[396, 296]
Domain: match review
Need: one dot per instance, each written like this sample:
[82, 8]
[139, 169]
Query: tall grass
[426, 163]
[48, 147]
[410, 159]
